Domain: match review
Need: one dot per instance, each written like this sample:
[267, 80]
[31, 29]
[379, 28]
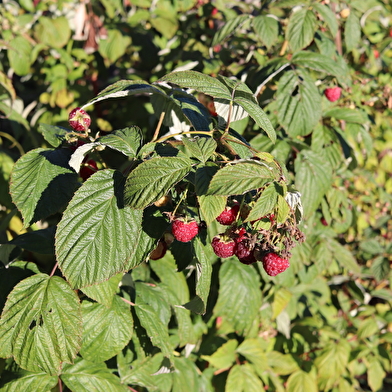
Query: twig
[257, 92]
[158, 127]
[54, 269]
[128, 302]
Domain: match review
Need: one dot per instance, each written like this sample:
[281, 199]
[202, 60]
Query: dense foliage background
[325, 324]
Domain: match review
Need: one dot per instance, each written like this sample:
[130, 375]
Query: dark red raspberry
[332, 94]
[79, 120]
[244, 252]
[228, 215]
[273, 264]
[88, 168]
[223, 248]
[184, 231]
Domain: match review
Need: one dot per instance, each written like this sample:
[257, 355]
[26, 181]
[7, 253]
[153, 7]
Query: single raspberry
[79, 120]
[223, 248]
[228, 215]
[273, 264]
[332, 94]
[244, 252]
[184, 231]
[88, 168]
[159, 251]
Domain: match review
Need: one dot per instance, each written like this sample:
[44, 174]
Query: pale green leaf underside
[42, 182]
[98, 236]
[152, 179]
[41, 324]
[106, 331]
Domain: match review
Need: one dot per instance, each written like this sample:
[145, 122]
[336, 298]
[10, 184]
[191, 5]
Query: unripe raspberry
[228, 215]
[273, 264]
[223, 248]
[79, 120]
[333, 94]
[184, 231]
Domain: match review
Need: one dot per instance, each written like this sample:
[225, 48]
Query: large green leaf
[267, 29]
[42, 182]
[301, 381]
[98, 236]
[299, 103]
[301, 29]
[19, 55]
[106, 331]
[199, 82]
[239, 297]
[41, 324]
[23, 380]
[202, 148]
[153, 178]
[86, 376]
[264, 204]
[329, 17]
[252, 350]
[347, 114]
[228, 28]
[53, 32]
[187, 373]
[318, 62]
[313, 179]
[224, 356]
[376, 374]
[240, 178]
[53, 135]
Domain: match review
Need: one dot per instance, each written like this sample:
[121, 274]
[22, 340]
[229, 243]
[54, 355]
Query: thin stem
[128, 302]
[257, 92]
[14, 141]
[158, 126]
[60, 385]
[163, 138]
[54, 269]
[183, 196]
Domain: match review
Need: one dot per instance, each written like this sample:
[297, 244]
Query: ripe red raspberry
[332, 94]
[228, 215]
[79, 120]
[184, 231]
[223, 248]
[274, 264]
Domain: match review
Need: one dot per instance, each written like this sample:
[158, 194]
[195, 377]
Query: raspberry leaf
[96, 226]
[264, 204]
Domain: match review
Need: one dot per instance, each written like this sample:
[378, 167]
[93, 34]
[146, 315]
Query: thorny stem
[158, 126]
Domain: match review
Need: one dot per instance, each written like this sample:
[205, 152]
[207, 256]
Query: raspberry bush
[195, 197]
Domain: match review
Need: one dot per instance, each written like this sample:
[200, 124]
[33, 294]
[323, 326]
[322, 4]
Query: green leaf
[152, 179]
[211, 207]
[41, 324]
[239, 297]
[343, 256]
[104, 292]
[329, 17]
[228, 28]
[282, 298]
[318, 62]
[252, 383]
[298, 102]
[301, 381]
[282, 364]
[313, 179]
[19, 55]
[203, 277]
[376, 374]
[187, 373]
[283, 209]
[54, 135]
[346, 114]
[301, 28]
[86, 376]
[156, 330]
[97, 228]
[127, 140]
[224, 356]
[202, 148]
[235, 379]
[380, 268]
[42, 182]
[106, 331]
[267, 29]
[367, 328]
[114, 46]
[253, 351]
[264, 204]
[241, 177]
[23, 380]
[53, 32]
[352, 31]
